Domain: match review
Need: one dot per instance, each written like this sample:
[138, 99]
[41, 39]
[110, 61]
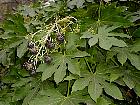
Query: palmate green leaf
[125, 53]
[96, 83]
[107, 42]
[105, 38]
[13, 42]
[15, 25]
[58, 67]
[117, 16]
[54, 97]
[129, 77]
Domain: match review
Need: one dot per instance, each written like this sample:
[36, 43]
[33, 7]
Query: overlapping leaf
[105, 38]
[114, 15]
[96, 83]
[59, 67]
[129, 76]
[125, 53]
[54, 97]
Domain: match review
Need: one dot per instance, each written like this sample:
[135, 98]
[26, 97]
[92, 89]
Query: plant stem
[99, 11]
[88, 65]
[114, 62]
[68, 92]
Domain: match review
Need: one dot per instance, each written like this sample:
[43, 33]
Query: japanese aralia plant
[71, 52]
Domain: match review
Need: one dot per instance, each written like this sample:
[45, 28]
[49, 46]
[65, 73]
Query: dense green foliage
[71, 52]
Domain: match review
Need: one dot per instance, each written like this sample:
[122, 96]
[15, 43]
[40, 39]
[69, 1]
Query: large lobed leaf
[126, 53]
[96, 83]
[53, 97]
[105, 38]
[59, 67]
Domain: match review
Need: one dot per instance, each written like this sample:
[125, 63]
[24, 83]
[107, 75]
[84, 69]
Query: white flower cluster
[47, 2]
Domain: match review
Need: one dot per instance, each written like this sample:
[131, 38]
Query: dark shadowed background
[8, 5]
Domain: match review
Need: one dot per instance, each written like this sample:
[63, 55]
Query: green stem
[114, 62]
[88, 65]
[68, 92]
[99, 11]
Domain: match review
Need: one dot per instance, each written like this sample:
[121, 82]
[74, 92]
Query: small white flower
[46, 4]
[52, 0]
[107, 0]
